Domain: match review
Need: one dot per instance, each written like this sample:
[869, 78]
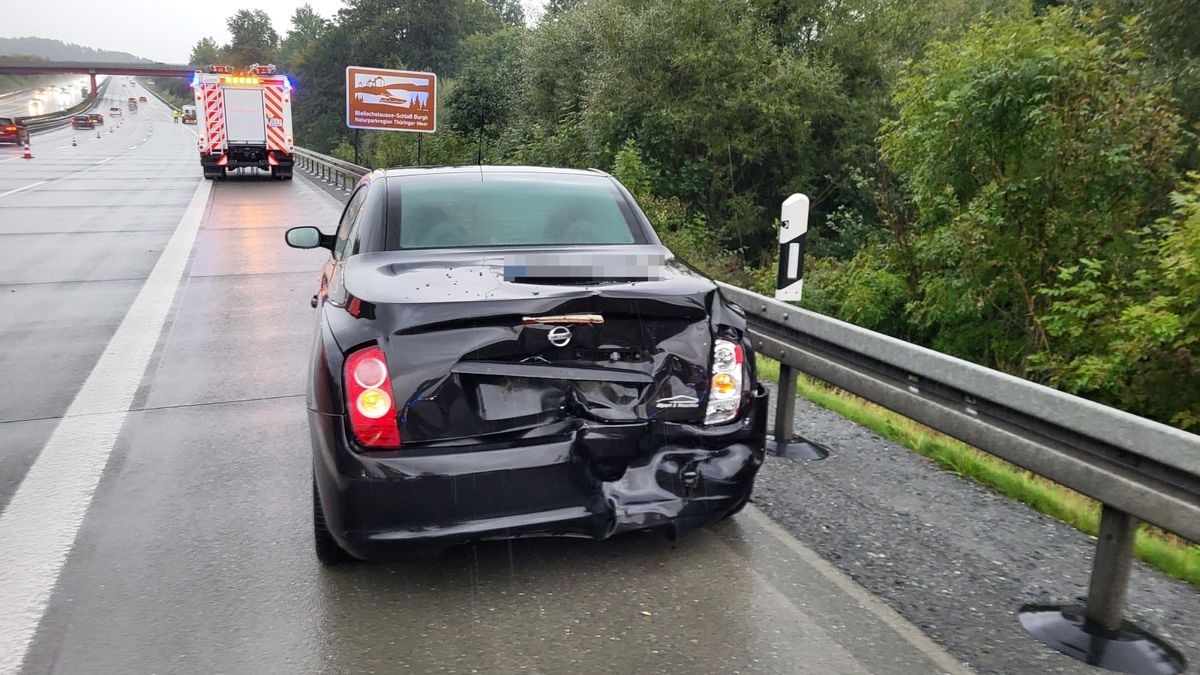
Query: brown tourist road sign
[391, 100]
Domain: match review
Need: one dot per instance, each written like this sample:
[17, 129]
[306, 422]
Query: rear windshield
[6, 120]
[460, 210]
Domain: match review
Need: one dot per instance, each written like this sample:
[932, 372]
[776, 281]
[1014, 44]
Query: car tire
[327, 548]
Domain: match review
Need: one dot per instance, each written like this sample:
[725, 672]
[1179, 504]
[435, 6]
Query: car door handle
[313, 302]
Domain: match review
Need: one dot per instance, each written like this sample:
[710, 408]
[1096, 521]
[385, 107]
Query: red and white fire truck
[244, 120]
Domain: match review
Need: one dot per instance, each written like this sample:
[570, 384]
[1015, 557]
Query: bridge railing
[329, 169]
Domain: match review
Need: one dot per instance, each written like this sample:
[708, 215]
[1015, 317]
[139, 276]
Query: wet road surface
[155, 468]
[51, 99]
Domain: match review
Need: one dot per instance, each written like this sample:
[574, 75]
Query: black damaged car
[511, 351]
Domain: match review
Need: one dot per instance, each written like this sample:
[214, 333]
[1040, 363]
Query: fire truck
[244, 120]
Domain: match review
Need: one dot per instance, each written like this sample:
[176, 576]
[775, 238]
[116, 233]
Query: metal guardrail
[329, 169]
[1137, 468]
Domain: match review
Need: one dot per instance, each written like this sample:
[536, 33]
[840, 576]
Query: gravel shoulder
[953, 557]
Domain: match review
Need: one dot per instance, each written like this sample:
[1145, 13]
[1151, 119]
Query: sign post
[391, 100]
[788, 284]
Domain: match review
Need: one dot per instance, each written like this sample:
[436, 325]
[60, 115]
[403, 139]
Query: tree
[482, 101]
[416, 34]
[1128, 329]
[254, 39]
[511, 12]
[1168, 32]
[1027, 145]
[307, 28]
[206, 52]
[727, 121]
[556, 7]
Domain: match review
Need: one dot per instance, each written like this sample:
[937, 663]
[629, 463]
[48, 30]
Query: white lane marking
[10, 159]
[38, 528]
[872, 604]
[26, 187]
[103, 161]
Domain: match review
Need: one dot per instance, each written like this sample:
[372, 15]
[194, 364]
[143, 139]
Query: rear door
[245, 124]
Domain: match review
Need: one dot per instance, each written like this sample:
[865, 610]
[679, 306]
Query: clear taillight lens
[725, 389]
[370, 404]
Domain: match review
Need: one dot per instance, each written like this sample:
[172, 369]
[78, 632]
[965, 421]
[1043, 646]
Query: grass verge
[171, 98]
[1172, 555]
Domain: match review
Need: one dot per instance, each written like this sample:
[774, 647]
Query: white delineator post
[790, 281]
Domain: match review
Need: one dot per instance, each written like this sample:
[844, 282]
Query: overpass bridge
[154, 477]
[92, 69]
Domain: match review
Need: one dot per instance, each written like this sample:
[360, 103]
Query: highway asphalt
[154, 471]
[30, 102]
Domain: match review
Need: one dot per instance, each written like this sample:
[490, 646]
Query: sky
[161, 30]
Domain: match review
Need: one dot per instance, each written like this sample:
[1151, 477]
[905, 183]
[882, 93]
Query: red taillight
[10, 128]
[370, 405]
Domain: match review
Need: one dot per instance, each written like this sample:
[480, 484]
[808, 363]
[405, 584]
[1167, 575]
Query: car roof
[486, 170]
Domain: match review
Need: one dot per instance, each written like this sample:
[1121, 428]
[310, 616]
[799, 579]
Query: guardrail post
[785, 404]
[1110, 569]
[785, 442]
[1096, 633]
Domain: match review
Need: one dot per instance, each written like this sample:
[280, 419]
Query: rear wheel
[328, 550]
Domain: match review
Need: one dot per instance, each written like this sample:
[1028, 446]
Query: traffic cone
[28, 154]
[97, 133]
[73, 143]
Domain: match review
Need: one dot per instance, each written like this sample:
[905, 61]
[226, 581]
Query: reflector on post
[790, 281]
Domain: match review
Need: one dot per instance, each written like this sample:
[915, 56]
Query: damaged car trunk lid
[512, 345]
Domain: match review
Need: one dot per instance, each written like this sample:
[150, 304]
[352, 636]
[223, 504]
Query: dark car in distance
[511, 351]
[12, 131]
[83, 122]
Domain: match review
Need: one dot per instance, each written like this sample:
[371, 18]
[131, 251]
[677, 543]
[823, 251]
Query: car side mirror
[308, 237]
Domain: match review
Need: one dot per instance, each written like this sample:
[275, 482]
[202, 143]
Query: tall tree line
[1010, 181]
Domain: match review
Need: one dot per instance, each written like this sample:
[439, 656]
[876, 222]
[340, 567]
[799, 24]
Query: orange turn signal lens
[724, 383]
[373, 403]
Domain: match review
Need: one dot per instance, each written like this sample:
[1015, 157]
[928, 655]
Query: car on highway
[12, 131]
[511, 351]
[141, 99]
[97, 118]
[114, 112]
[83, 122]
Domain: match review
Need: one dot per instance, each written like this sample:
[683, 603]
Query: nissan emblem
[559, 336]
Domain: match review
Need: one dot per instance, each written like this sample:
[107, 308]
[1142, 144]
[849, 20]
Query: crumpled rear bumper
[677, 476]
